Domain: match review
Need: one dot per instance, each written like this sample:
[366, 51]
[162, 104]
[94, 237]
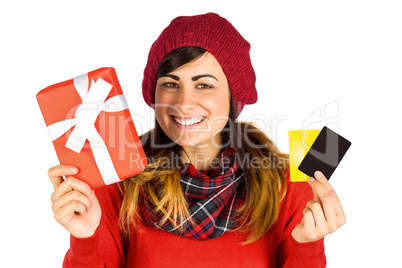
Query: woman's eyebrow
[195, 78]
[175, 77]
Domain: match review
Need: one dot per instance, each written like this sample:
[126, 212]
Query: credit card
[300, 142]
[325, 154]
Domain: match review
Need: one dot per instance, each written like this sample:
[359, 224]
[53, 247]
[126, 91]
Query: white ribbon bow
[93, 102]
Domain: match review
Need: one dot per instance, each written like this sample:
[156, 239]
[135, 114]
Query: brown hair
[265, 185]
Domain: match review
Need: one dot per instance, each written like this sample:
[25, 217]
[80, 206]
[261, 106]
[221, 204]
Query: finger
[319, 190]
[65, 214]
[320, 194]
[72, 196]
[340, 220]
[338, 206]
[56, 173]
[72, 183]
[318, 213]
[309, 228]
[308, 218]
[328, 205]
[340, 214]
[319, 176]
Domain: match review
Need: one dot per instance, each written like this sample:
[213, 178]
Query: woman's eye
[203, 86]
[170, 85]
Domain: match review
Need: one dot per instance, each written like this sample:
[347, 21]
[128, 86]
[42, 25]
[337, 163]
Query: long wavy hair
[265, 184]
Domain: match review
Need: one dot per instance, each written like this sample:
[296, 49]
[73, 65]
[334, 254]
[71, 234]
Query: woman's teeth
[188, 122]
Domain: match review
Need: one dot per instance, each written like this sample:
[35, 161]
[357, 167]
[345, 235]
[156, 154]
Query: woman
[216, 192]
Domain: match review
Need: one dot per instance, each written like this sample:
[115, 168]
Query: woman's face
[192, 103]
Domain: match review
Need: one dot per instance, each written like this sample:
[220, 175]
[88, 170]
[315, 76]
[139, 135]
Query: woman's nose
[186, 100]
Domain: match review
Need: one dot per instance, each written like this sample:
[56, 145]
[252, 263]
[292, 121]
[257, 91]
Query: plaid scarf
[213, 196]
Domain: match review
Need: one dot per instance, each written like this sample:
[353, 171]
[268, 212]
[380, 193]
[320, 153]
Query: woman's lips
[187, 126]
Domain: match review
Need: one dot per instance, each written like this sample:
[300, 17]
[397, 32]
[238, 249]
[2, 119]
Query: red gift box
[91, 127]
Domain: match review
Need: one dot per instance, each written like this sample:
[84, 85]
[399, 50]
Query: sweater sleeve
[106, 248]
[291, 253]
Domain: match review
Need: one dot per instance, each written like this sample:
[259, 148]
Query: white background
[342, 59]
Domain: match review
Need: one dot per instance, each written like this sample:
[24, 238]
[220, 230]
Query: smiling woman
[212, 184]
[219, 134]
[192, 102]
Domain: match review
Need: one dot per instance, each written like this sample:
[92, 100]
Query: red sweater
[153, 247]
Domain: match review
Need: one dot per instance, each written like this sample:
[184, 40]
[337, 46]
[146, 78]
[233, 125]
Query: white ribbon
[93, 102]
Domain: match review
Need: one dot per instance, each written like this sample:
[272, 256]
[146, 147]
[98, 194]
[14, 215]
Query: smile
[188, 121]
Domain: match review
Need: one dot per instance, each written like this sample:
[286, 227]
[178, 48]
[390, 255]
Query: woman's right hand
[74, 204]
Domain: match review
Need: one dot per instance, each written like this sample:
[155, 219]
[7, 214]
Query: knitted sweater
[152, 247]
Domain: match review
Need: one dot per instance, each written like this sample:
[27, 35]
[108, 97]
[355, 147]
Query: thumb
[56, 174]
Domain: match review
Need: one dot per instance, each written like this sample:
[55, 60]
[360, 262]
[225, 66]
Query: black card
[325, 153]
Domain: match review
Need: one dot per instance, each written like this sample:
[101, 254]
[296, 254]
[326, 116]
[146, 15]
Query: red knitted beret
[218, 37]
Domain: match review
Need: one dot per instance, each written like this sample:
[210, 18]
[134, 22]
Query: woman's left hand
[323, 215]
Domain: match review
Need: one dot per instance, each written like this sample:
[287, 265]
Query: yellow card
[300, 142]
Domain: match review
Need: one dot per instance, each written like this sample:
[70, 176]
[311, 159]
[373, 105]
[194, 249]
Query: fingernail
[318, 174]
[73, 169]
[311, 179]
[92, 196]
